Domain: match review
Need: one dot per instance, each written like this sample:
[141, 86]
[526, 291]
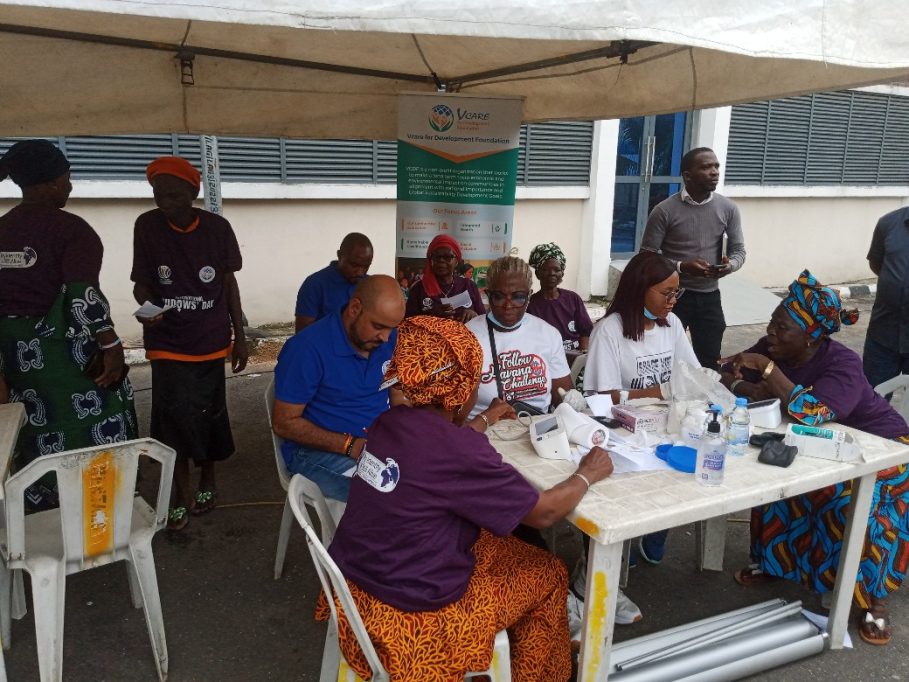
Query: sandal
[204, 501]
[177, 518]
[752, 576]
[875, 631]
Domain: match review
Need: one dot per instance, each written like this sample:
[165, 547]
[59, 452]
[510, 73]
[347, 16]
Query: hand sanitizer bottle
[711, 459]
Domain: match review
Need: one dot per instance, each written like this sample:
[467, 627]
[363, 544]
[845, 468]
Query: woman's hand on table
[596, 465]
[499, 409]
[740, 361]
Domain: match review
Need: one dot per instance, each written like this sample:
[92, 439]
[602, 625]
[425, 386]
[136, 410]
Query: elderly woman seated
[523, 356]
[426, 550]
[441, 282]
[819, 380]
[561, 308]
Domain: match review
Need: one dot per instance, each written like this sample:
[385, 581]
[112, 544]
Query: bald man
[329, 289]
[327, 384]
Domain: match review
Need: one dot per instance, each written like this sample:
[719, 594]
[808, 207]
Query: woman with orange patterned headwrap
[433, 506]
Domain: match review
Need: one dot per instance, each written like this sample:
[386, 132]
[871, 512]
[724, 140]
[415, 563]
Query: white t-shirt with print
[614, 362]
[529, 358]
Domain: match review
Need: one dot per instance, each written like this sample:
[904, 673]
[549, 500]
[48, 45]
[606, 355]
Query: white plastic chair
[328, 511]
[334, 667]
[898, 384]
[100, 520]
[577, 368]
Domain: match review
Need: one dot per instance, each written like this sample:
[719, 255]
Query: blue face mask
[492, 318]
[649, 315]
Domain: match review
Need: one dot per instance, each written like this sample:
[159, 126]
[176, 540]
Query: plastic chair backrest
[576, 368]
[333, 582]
[276, 440]
[97, 486]
[901, 402]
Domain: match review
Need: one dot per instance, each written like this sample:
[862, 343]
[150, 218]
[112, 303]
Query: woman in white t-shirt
[632, 348]
[529, 363]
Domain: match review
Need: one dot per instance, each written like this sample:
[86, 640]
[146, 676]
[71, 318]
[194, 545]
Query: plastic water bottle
[739, 429]
[711, 459]
[693, 426]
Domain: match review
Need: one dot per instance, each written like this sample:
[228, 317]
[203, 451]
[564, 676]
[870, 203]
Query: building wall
[283, 240]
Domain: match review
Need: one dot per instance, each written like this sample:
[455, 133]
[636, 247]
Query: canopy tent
[333, 68]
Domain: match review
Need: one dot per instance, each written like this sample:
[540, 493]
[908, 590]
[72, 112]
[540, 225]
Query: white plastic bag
[690, 383]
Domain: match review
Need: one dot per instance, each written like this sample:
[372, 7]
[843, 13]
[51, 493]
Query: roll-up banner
[457, 170]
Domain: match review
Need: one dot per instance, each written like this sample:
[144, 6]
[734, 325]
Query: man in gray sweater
[689, 228]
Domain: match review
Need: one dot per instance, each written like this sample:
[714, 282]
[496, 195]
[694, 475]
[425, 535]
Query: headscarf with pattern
[436, 361]
[543, 253]
[817, 309]
[430, 283]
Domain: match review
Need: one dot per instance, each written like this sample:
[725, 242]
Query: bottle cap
[741, 402]
[714, 425]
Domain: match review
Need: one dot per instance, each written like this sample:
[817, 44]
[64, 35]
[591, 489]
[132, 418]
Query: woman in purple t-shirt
[561, 308]
[433, 293]
[819, 380]
[433, 505]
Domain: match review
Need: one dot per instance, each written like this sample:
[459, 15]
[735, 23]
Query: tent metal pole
[766, 660]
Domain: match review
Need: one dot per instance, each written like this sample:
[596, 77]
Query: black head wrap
[33, 162]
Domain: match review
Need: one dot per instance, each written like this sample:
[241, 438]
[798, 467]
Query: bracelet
[353, 444]
[112, 344]
[582, 477]
[348, 444]
[734, 384]
[484, 418]
[678, 266]
[768, 369]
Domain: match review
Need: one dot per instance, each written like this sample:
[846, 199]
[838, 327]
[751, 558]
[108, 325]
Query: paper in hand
[149, 310]
[462, 300]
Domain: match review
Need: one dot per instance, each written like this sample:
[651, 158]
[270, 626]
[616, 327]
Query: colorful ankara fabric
[176, 166]
[437, 361]
[806, 407]
[815, 308]
[544, 252]
[33, 162]
[514, 586]
[800, 538]
[430, 283]
[43, 359]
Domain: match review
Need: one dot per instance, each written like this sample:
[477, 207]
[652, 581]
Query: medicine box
[650, 418]
[823, 442]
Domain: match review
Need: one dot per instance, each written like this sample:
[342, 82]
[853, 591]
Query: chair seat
[45, 539]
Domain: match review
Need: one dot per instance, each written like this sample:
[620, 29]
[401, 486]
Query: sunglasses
[516, 297]
[444, 257]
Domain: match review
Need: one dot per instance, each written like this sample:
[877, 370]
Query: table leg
[846, 572]
[603, 571]
[711, 541]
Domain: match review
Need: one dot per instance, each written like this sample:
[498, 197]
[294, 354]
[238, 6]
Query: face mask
[492, 318]
[649, 315]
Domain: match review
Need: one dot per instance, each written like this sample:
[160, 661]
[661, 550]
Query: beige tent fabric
[684, 55]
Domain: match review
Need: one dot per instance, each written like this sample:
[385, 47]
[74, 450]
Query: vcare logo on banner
[441, 118]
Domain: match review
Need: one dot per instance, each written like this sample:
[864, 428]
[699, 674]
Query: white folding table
[629, 505]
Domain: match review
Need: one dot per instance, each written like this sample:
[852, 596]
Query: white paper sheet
[149, 310]
[600, 404]
[462, 300]
[821, 622]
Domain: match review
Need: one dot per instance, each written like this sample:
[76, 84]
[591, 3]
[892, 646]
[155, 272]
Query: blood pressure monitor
[549, 438]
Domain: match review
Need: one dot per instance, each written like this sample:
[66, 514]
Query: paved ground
[227, 619]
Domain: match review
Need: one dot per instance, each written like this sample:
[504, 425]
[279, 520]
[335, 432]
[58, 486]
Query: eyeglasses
[675, 294]
[516, 297]
[446, 257]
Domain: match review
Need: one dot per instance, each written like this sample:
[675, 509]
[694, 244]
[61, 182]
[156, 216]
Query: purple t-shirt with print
[566, 313]
[418, 303]
[836, 378]
[41, 249]
[423, 489]
[186, 271]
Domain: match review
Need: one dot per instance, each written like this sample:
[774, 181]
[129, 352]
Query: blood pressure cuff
[777, 453]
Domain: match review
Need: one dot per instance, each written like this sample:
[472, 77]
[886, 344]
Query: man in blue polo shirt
[327, 384]
[329, 289]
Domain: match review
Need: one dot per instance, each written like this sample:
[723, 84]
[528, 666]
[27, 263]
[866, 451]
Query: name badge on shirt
[18, 259]
[383, 477]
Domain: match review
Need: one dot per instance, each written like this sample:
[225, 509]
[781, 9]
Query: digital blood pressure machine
[549, 438]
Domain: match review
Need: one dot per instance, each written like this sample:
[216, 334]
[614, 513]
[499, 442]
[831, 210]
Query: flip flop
[204, 501]
[869, 625]
[177, 518]
[752, 576]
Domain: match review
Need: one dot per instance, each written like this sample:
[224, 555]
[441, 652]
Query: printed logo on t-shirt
[427, 303]
[207, 274]
[164, 274]
[18, 259]
[383, 477]
[571, 327]
[523, 376]
[652, 370]
[385, 366]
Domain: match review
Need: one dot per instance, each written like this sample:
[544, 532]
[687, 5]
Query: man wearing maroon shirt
[184, 259]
